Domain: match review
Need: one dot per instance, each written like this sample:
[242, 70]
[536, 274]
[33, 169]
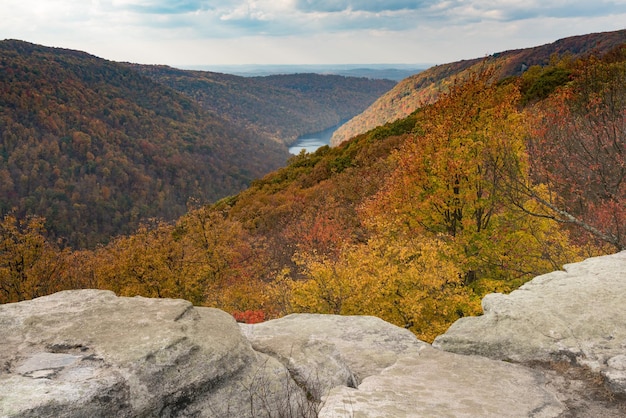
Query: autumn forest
[493, 182]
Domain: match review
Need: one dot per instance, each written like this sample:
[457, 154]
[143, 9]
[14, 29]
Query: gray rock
[615, 373]
[324, 351]
[577, 315]
[365, 367]
[433, 383]
[90, 353]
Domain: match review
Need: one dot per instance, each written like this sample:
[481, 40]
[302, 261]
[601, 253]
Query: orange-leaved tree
[451, 183]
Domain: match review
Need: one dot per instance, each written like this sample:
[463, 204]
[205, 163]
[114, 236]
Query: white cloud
[305, 31]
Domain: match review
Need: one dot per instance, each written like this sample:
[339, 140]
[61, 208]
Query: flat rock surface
[88, 353]
[395, 374]
[577, 315]
[433, 383]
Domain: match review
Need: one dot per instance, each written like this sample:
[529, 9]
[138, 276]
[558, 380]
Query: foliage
[311, 205]
[448, 188]
[579, 150]
[94, 147]
[450, 184]
[249, 316]
[538, 82]
[280, 107]
[29, 265]
[204, 258]
[410, 282]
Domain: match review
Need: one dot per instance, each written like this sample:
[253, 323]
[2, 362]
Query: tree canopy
[413, 221]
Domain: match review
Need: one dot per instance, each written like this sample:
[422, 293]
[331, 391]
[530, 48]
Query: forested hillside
[94, 147]
[281, 107]
[425, 87]
[414, 221]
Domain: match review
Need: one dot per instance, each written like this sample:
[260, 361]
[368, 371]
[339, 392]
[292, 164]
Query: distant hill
[395, 72]
[282, 107]
[423, 88]
[95, 146]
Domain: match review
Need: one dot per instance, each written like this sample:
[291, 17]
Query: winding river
[311, 142]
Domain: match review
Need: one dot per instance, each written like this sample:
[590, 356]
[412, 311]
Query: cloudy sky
[218, 32]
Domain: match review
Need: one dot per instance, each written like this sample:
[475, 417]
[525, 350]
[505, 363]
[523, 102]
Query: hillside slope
[281, 107]
[423, 88]
[95, 147]
[412, 222]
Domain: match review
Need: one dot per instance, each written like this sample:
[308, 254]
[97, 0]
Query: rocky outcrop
[545, 350]
[367, 367]
[577, 315]
[89, 353]
[433, 383]
[324, 351]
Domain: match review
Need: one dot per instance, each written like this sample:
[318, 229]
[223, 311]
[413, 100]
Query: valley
[279, 107]
[97, 147]
[157, 182]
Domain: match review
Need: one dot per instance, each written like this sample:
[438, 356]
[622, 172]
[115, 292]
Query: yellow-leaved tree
[443, 231]
[451, 183]
[152, 263]
[228, 263]
[29, 265]
[204, 258]
[410, 282]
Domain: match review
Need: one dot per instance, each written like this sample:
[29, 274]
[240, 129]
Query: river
[311, 142]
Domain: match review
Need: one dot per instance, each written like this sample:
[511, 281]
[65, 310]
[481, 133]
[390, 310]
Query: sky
[217, 32]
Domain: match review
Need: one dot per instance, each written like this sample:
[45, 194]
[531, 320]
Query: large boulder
[89, 353]
[324, 351]
[577, 315]
[363, 366]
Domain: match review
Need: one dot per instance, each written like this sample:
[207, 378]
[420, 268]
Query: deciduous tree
[451, 183]
[410, 282]
[578, 151]
[29, 265]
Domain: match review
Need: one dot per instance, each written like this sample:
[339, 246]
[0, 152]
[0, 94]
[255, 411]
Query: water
[311, 142]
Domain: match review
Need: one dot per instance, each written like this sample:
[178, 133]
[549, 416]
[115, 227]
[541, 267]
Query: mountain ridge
[424, 88]
[393, 71]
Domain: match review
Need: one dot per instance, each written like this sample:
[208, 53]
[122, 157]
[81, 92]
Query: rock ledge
[554, 348]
